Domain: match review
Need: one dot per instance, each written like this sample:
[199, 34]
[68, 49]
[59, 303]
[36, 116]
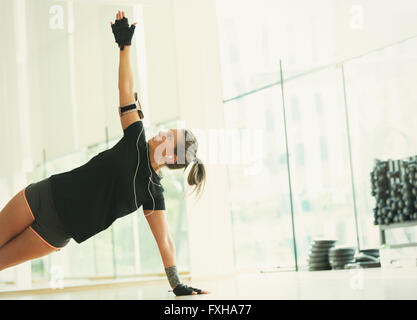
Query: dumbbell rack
[394, 186]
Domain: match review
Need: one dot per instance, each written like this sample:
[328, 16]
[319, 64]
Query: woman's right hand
[184, 290]
[122, 32]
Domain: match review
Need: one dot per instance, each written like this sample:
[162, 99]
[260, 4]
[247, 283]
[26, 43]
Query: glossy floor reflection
[335, 284]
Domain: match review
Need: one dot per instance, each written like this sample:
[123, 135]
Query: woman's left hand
[123, 33]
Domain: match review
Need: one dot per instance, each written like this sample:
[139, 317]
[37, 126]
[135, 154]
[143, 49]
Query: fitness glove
[122, 32]
[184, 290]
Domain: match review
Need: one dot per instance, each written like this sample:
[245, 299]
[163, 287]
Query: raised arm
[123, 35]
[126, 91]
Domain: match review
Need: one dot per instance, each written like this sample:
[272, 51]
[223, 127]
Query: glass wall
[341, 114]
[319, 159]
[382, 100]
[258, 176]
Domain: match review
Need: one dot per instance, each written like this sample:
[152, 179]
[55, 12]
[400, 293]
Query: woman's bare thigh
[26, 246]
[14, 218]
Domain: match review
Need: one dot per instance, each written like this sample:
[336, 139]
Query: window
[259, 182]
[381, 104]
[321, 179]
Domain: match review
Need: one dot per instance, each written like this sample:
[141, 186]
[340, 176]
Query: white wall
[201, 109]
[161, 60]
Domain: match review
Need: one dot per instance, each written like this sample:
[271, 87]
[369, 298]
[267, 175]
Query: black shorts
[47, 224]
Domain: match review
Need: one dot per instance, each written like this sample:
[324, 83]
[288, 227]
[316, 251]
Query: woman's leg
[26, 246]
[14, 218]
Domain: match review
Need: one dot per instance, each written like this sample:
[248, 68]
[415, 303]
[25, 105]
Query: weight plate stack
[371, 252]
[319, 255]
[382, 179]
[366, 258]
[341, 256]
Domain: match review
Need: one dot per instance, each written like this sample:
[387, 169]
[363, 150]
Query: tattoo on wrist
[173, 276]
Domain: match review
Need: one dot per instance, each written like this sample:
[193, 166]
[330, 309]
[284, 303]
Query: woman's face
[163, 145]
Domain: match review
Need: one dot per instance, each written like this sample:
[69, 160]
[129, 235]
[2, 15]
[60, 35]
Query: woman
[44, 216]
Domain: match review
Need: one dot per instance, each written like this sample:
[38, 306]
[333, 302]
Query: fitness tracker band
[129, 108]
[134, 106]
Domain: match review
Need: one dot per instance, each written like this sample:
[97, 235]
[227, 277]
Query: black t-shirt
[90, 198]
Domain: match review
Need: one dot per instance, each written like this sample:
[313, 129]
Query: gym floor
[357, 284]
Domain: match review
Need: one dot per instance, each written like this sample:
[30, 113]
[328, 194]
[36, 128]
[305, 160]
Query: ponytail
[197, 176]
